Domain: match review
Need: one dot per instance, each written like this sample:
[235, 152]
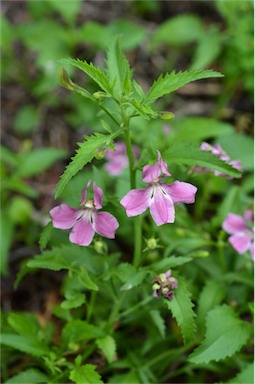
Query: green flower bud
[99, 95]
[152, 243]
[167, 116]
[100, 153]
[64, 79]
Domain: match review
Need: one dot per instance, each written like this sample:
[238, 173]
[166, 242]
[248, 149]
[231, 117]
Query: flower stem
[137, 220]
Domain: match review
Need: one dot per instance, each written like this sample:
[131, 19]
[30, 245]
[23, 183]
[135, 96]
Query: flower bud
[99, 95]
[167, 116]
[100, 153]
[64, 79]
[152, 243]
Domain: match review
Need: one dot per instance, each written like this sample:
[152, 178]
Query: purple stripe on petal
[234, 223]
[240, 242]
[162, 208]
[105, 224]
[181, 192]
[63, 216]
[136, 201]
[82, 233]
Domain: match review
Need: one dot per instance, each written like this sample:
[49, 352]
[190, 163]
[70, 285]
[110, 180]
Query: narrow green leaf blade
[185, 152]
[84, 155]
[93, 72]
[85, 374]
[181, 308]
[172, 81]
[108, 347]
[25, 344]
[211, 295]
[225, 335]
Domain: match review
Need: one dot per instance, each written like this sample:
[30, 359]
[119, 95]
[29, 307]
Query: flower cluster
[240, 229]
[164, 284]
[157, 196]
[221, 154]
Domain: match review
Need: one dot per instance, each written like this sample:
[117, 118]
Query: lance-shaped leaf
[85, 154]
[172, 81]
[108, 347]
[93, 72]
[181, 308]
[27, 344]
[225, 335]
[118, 69]
[185, 152]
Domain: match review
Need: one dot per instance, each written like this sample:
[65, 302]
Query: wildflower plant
[120, 286]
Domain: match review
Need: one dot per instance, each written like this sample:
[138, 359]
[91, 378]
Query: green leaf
[52, 260]
[225, 335]
[200, 128]
[31, 376]
[45, 235]
[172, 81]
[25, 344]
[23, 323]
[211, 295]
[181, 308]
[7, 156]
[85, 374]
[79, 331]
[245, 376]
[93, 72]
[108, 347]
[34, 162]
[68, 9]
[73, 300]
[129, 275]
[169, 262]
[118, 69]
[143, 110]
[27, 119]
[158, 321]
[84, 155]
[184, 152]
[179, 30]
[6, 235]
[85, 279]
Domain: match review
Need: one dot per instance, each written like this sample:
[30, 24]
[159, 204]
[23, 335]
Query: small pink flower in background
[164, 284]
[118, 160]
[219, 152]
[86, 221]
[158, 197]
[240, 229]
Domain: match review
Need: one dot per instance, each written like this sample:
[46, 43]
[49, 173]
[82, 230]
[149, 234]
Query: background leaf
[27, 344]
[108, 347]
[31, 376]
[85, 374]
[225, 335]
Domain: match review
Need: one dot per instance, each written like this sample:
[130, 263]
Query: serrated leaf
[85, 374]
[45, 235]
[172, 81]
[78, 331]
[181, 308]
[49, 260]
[225, 335]
[85, 279]
[31, 376]
[25, 344]
[93, 72]
[108, 347]
[73, 300]
[118, 69]
[84, 155]
[38, 160]
[211, 295]
[158, 321]
[143, 110]
[130, 276]
[184, 152]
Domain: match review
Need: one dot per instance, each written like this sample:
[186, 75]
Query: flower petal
[84, 193]
[98, 196]
[153, 172]
[162, 207]
[136, 201]
[63, 216]
[105, 224]
[180, 192]
[240, 242]
[82, 232]
[234, 224]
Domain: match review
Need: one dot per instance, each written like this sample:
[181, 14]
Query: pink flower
[164, 284]
[219, 152]
[158, 197]
[240, 229]
[86, 221]
[118, 160]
